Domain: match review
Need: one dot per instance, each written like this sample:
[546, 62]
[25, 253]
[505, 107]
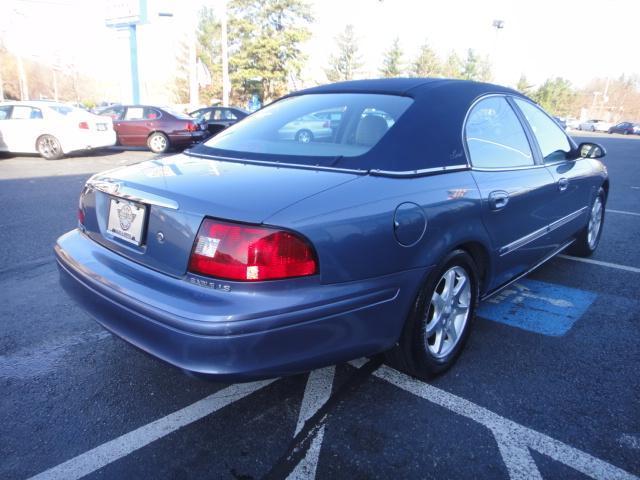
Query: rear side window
[152, 114]
[315, 125]
[553, 143]
[21, 112]
[495, 137]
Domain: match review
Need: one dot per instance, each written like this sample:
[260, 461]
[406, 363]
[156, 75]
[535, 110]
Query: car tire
[49, 147]
[588, 239]
[304, 136]
[432, 322]
[158, 142]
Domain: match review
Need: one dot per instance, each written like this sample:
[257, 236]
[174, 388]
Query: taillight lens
[80, 216]
[83, 125]
[250, 253]
[326, 124]
[191, 127]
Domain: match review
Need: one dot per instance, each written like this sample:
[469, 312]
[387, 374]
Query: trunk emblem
[160, 237]
[126, 217]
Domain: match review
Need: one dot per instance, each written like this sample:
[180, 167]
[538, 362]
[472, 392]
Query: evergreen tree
[266, 39]
[427, 63]
[392, 61]
[344, 64]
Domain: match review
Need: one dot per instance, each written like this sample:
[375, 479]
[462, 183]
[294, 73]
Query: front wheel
[589, 238]
[158, 142]
[440, 320]
[49, 147]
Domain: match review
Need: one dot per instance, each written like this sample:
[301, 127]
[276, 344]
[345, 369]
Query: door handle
[498, 199]
[563, 183]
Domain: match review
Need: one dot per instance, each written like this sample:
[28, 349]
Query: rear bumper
[235, 335]
[91, 140]
[187, 138]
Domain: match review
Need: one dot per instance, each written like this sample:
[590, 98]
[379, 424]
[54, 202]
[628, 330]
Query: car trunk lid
[174, 194]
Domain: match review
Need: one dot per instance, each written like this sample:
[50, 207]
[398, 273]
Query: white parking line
[117, 448]
[316, 394]
[511, 437]
[623, 212]
[601, 263]
[514, 440]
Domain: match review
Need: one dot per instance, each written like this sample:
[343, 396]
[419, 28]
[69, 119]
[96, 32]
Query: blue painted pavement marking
[539, 307]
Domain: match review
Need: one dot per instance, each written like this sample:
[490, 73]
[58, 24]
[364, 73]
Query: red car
[154, 127]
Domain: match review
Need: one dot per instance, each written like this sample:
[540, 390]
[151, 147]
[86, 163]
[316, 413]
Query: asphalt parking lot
[547, 387]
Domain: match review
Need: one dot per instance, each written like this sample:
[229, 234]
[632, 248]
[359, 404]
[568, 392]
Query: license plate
[101, 127]
[126, 220]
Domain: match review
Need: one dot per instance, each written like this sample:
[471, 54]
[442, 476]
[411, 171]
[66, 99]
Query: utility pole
[225, 56]
[22, 79]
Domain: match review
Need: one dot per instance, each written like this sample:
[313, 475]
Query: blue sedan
[254, 255]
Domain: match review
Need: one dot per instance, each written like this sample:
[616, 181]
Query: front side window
[134, 113]
[553, 143]
[114, 112]
[315, 125]
[5, 112]
[495, 137]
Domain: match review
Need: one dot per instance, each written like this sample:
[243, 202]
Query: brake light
[250, 253]
[326, 124]
[83, 125]
[191, 127]
[80, 216]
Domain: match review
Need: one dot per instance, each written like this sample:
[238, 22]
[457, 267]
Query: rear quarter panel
[352, 226]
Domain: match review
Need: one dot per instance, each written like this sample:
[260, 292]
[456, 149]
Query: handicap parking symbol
[539, 307]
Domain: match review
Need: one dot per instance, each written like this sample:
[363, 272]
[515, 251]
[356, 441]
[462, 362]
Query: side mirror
[591, 150]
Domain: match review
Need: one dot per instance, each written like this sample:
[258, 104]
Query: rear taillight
[326, 125]
[191, 127]
[80, 216]
[250, 253]
[83, 125]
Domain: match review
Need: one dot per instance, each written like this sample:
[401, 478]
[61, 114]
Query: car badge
[126, 217]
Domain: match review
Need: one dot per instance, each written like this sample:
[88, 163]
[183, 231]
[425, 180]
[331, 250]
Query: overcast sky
[574, 39]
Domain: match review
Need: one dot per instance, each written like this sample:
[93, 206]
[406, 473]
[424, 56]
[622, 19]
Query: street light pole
[225, 56]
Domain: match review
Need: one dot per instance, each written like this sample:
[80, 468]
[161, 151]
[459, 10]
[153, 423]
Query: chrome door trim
[527, 272]
[118, 189]
[530, 237]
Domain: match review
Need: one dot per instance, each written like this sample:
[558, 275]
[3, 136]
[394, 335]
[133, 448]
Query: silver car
[306, 129]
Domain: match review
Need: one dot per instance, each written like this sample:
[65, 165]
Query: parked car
[306, 129]
[154, 127]
[561, 121]
[626, 128]
[572, 123]
[595, 126]
[255, 255]
[51, 129]
[217, 119]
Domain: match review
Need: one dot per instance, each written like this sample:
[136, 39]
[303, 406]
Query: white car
[51, 129]
[595, 126]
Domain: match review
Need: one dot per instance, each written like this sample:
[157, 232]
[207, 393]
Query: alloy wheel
[448, 312]
[595, 223]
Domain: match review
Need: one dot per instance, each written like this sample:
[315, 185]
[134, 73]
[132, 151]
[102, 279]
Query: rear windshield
[65, 109]
[315, 125]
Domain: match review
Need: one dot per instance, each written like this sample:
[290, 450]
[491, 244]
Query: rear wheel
[440, 320]
[589, 238]
[49, 147]
[158, 142]
[304, 136]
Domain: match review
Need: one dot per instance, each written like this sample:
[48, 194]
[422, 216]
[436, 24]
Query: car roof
[429, 134]
[400, 86]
